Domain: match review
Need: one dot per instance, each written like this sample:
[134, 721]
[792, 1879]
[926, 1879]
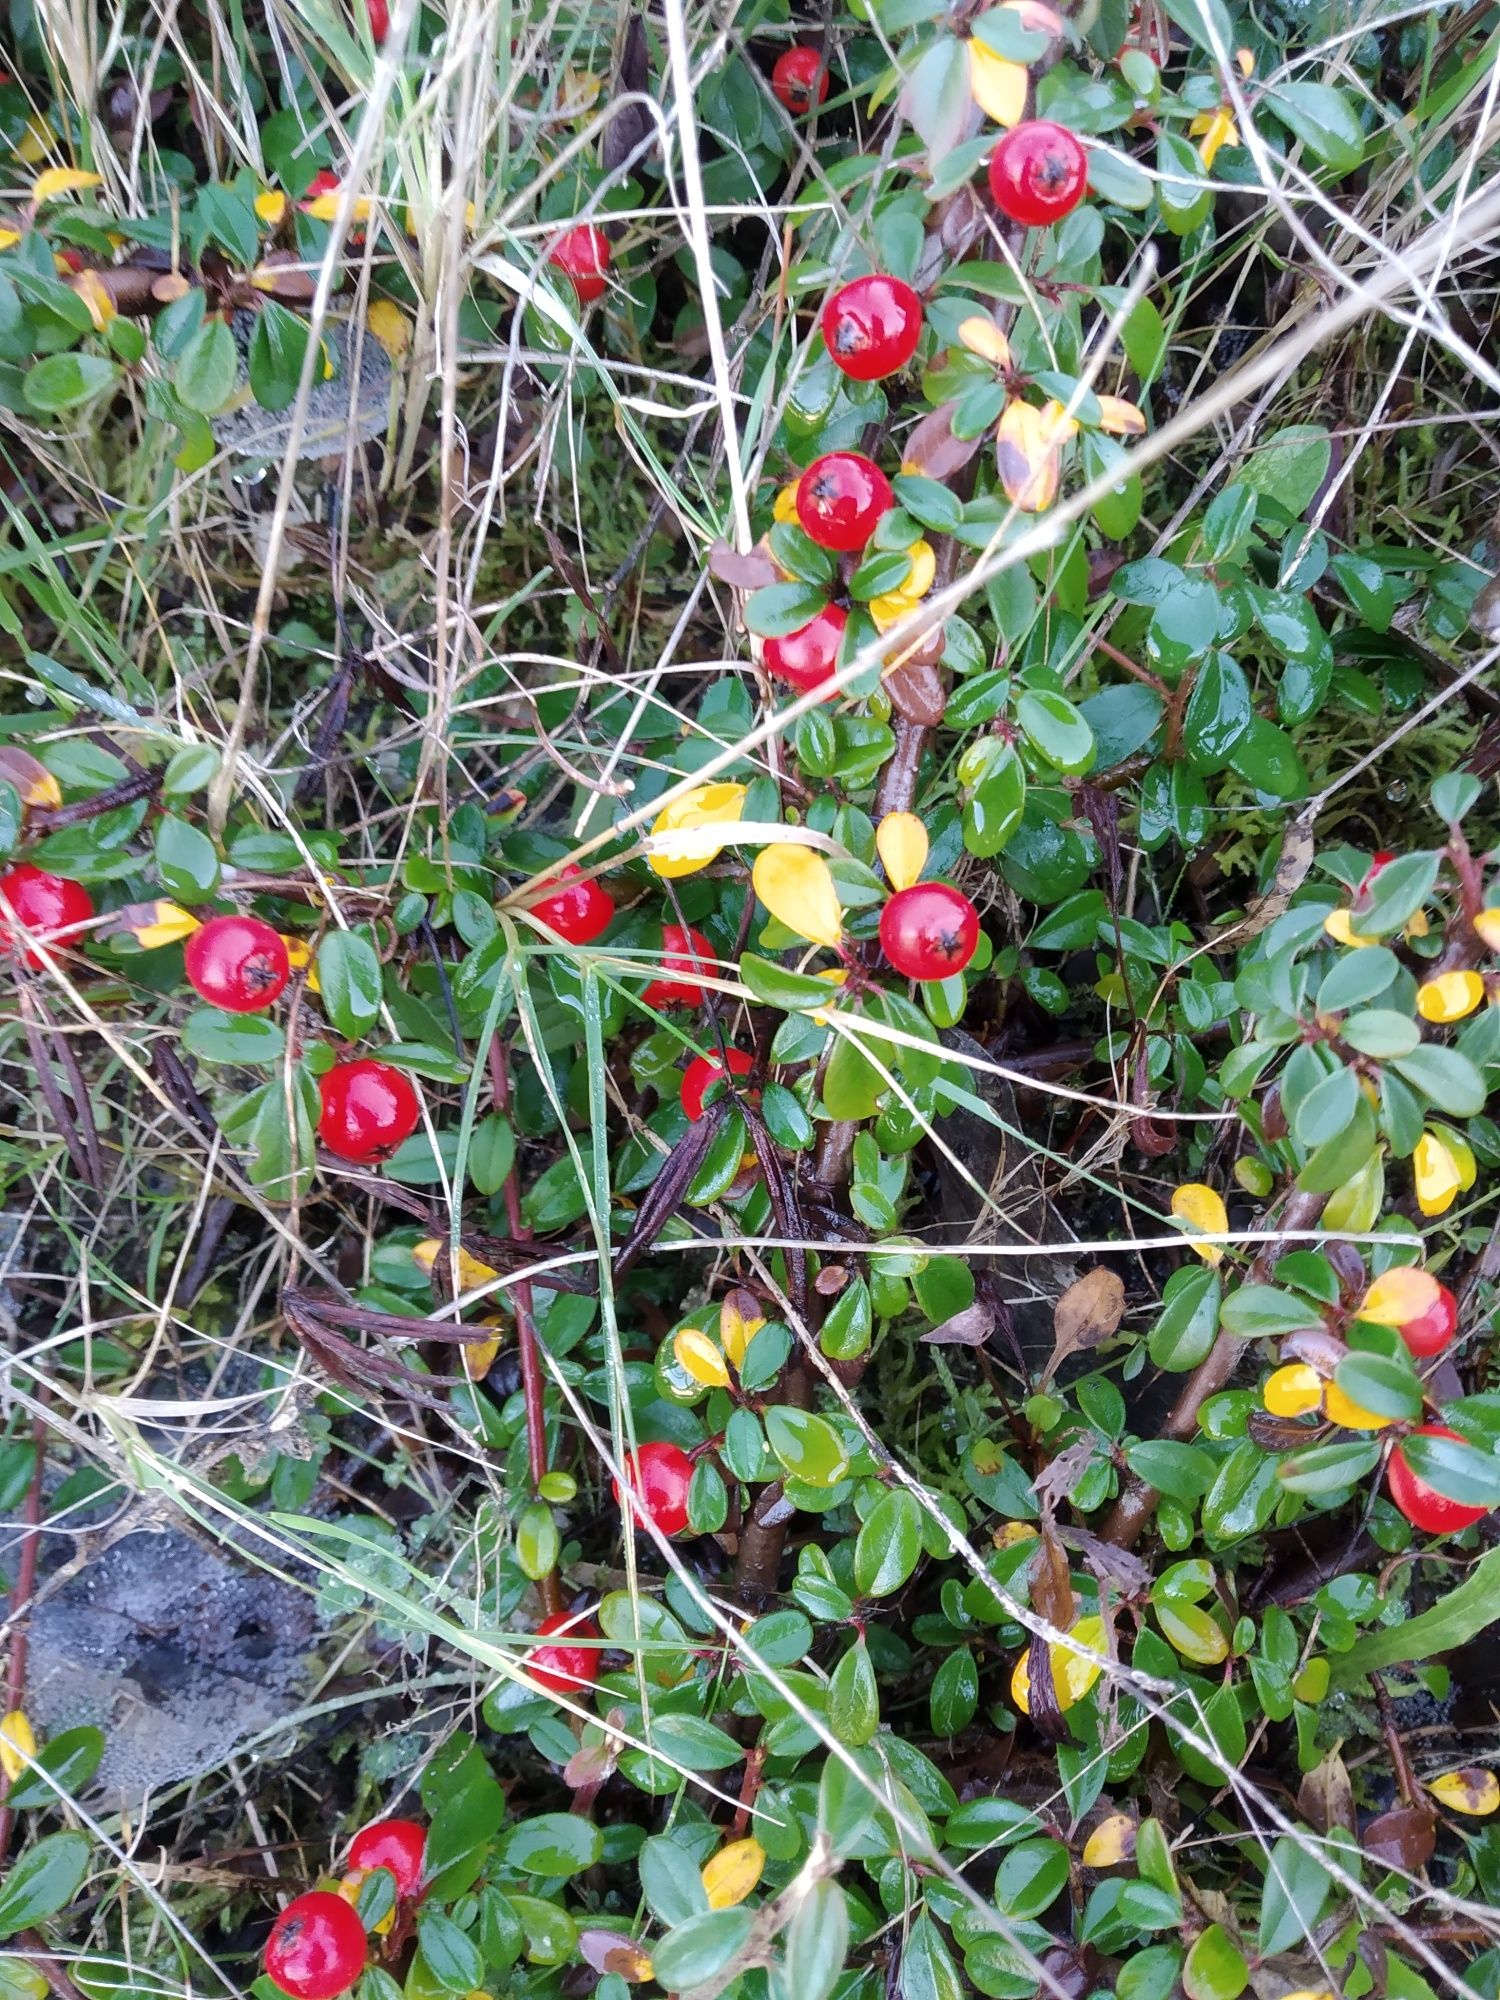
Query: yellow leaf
[709, 810]
[1204, 1209]
[740, 1319]
[1119, 418]
[833, 975]
[1217, 129]
[1057, 426]
[1403, 1293]
[472, 1273]
[479, 1355]
[390, 327]
[796, 886]
[8, 237]
[784, 506]
[901, 842]
[17, 1743]
[324, 207]
[923, 570]
[1193, 1633]
[1342, 1409]
[982, 337]
[697, 1356]
[580, 91]
[1339, 928]
[1245, 62]
[36, 142]
[1028, 461]
[730, 1875]
[91, 288]
[34, 783]
[1293, 1391]
[62, 180]
[1435, 1172]
[890, 608]
[997, 86]
[299, 957]
[1112, 1841]
[1487, 924]
[1010, 1532]
[1473, 1791]
[1449, 996]
[1072, 1674]
[270, 206]
[150, 924]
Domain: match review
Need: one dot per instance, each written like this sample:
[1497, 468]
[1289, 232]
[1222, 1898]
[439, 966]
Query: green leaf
[1461, 1615]
[817, 1942]
[208, 368]
[851, 1082]
[1215, 1967]
[927, 1968]
[66, 382]
[1055, 728]
[1378, 1031]
[192, 769]
[45, 1880]
[854, 1697]
[70, 1759]
[1290, 466]
[806, 1445]
[889, 1545]
[1267, 758]
[1189, 1320]
[1296, 1889]
[996, 805]
[551, 1844]
[453, 1959]
[954, 1700]
[670, 1881]
[1459, 1471]
[1242, 1498]
[1445, 1078]
[232, 1038]
[1386, 1385]
[936, 100]
[1329, 1468]
[1218, 713]
[782, 608]
[1324, 119]
[1031, 1878]
[349, 980]
[1262, 1312]
[1398, 892]
[698, 1950]
[278, 347]
[186, 859]
[795, 992]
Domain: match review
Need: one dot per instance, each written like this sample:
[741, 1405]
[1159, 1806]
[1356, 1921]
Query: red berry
[583, 253]
[1378, 865]
[688, 954]
[378, 14]
[1038, 173]
[809, 657]
[368, 1109]
[49, 905]
[397, 1844]
[660, 1475]
[579, 913]
[238, 963]
[1430, 1332]
[324, 181]
[872, 326]
[799, 80]
[705, 1070]
[1422, 1504]
[316, 1948]
[840, 498]
[929, 931]
[563, 1669]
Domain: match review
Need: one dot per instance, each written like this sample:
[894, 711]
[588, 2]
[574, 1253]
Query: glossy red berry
[688, 957]
[1430, 1332]
[562, 1669]
[238, 963]
[660, 1475]
[1038, 173]
[872, 326]
[378, 14]
[1378, 865]
[368, 1109]
[316, 1948]
[580, 912]
[929, 931]
[809, 657]
[840, 499]
[52, 907]
[397, 1844]
[324, 181]
[583, 254]
[800, 80]
[1421, 1503]
[705, 1070]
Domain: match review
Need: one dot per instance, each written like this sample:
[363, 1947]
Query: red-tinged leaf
[754, 571]
[970, 1328]
[1402, 1838]
[932, 450]
[612, 1951]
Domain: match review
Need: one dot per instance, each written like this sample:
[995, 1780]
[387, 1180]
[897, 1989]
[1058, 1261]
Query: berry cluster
[317, 1947]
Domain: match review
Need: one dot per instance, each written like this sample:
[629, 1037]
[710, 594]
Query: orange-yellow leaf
[472, 1273]
[479, 1355]
[390, 327]
[1339, 928]
[706, 817]
[796, 886]
[1119, 418]
[901, 842]
[730, 1875]
[1435, 1171]
[324, 207]
[997, 85]
[1487, 923]
[17, 1743]
[34, 783]
[1111, 1842]
[92, 289]
[784, 506]
[1027, 459]
[1473, 1791]
[270, 206]
[580, 91]
[982, 337]
[1293, 1391]
[150, 924]
[1401, 1294]
[697, 1356]
[1010, 1532]
[1449, 996]
[1202, 1208]
[1057, 425]
[62, 180]
[740, 1319]
[9, 237]
[1216, 129]
[1342, 1409]
[1072, 1674]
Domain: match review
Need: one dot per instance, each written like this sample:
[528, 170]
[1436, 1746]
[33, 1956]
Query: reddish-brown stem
[1135, 1506]
[1133, 667]
[31, 1542]
[1406, 1783]
[526, 1342]
[750, 1786]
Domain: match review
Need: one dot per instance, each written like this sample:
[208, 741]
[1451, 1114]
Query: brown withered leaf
[1325, 1798]
[664, 1196]
[786, 1206]
[970, 1328]
[1278, 1433]
[1046, 1716]
[613, 1951]
[1404, 1837]
[631, 124]
[1089, 1311]
[1316, 1346]
[283, 275]
[1056, 1481]
[1052, 1580]
[744, 572]
[931, 448]
[914, 686]
[1129, 1574]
